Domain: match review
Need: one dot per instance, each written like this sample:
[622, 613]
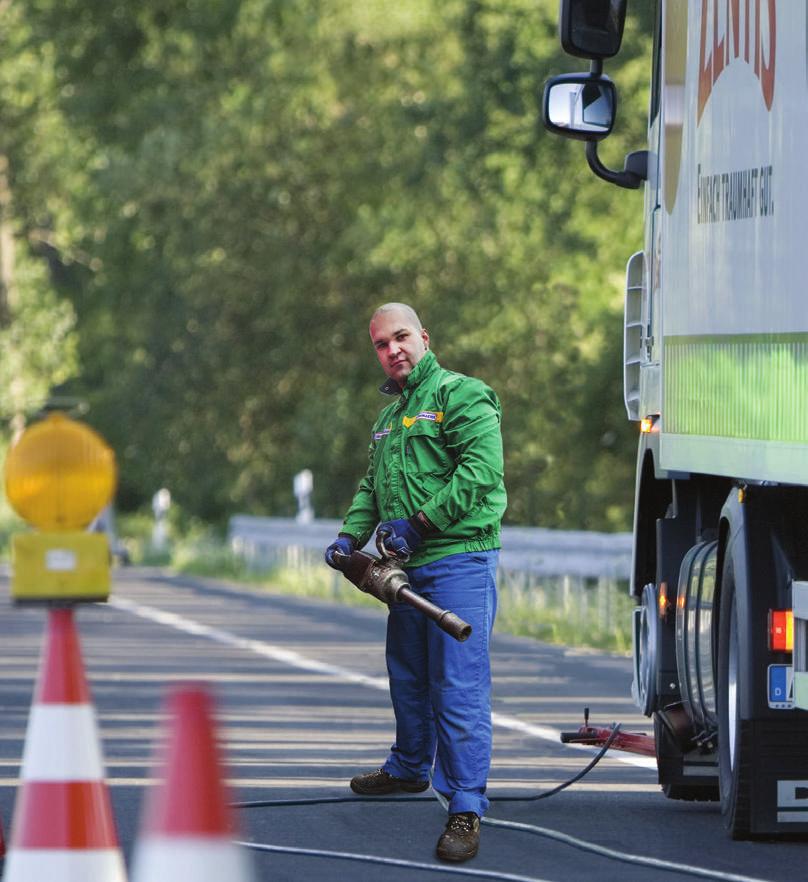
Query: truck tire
[734, 739]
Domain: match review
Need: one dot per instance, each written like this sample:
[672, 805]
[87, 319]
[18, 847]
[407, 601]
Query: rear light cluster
[781, 630]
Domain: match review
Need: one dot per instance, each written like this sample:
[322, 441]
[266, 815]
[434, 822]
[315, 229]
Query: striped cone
[63, 828]
[187, 826]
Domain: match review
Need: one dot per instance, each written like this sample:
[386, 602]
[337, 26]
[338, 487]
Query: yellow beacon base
[69, 566]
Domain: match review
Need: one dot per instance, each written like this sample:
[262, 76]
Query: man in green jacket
[434, 485]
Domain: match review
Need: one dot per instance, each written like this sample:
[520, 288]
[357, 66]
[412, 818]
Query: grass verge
[589, 613]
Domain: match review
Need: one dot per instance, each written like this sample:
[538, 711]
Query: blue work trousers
[441, 689]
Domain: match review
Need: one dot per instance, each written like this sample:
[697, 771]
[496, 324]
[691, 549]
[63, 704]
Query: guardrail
[533, 550]
[574, 579]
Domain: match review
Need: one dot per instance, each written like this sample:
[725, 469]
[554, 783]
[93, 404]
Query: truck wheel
[734, 741]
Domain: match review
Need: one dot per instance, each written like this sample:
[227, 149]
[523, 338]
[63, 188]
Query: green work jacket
[437, 449]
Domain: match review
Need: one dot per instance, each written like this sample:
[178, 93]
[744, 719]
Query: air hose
[624, 857]
[395, 862]
[328, 800]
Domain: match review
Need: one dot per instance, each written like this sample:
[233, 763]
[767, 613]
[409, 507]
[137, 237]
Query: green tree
[245, 180]
[36, 326]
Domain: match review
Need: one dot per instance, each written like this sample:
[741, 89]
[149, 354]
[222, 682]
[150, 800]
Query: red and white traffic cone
[187, 827]
[63, 828]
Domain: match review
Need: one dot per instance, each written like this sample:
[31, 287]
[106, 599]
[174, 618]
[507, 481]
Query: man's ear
[425, 337]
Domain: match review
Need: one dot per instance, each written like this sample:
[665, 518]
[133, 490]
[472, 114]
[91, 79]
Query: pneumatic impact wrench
[385, 580]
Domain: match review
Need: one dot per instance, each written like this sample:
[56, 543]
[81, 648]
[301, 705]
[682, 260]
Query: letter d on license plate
[781, 687]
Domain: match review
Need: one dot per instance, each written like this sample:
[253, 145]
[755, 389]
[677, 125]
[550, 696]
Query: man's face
[398, 343]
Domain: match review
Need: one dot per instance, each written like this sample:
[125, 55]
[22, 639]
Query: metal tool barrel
[447, 621]
[386, 581]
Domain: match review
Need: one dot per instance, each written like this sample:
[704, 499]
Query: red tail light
[781, 630]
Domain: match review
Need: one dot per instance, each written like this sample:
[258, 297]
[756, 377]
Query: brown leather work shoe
[380, 782]
[461, 838]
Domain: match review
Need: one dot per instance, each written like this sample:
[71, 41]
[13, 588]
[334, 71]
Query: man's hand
[400, 538]
[342, 547]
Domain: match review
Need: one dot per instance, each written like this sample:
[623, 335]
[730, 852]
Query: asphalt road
[300, 686]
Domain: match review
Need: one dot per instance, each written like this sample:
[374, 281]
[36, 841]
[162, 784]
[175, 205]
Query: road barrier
[63, 827]
[187, 825]
[577, 576]
[261, 542]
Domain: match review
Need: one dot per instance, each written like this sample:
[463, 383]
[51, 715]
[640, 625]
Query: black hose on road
[613, 854]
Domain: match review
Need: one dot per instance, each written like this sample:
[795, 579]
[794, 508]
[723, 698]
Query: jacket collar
[424, 368]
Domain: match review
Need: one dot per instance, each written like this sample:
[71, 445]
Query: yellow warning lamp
[59, 475]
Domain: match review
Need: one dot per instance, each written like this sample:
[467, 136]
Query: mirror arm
[632, 176]
[636, 165]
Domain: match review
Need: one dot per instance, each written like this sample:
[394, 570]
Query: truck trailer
[716, 375]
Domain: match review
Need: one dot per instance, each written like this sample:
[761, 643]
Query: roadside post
[161, 503]
[303, 487]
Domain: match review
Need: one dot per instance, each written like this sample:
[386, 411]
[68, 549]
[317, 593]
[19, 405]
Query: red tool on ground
[597, 736]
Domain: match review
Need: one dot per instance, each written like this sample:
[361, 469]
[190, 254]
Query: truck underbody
[715, 558]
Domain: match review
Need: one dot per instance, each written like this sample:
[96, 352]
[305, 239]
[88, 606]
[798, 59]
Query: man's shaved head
[399, 338]
[410, 314]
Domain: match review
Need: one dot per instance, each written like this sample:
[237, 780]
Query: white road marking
[303, 663]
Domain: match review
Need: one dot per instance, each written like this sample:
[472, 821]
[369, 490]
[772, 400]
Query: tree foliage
[223, 190]
[36, 325]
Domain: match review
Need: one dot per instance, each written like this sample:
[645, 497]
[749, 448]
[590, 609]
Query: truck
[716, 374]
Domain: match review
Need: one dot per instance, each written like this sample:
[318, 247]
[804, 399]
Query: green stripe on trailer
[751, 386]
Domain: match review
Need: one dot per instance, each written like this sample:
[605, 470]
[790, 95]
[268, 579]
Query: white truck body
[726, 343]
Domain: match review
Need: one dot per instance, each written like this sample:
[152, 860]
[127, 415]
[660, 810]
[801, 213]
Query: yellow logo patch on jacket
[431, 415]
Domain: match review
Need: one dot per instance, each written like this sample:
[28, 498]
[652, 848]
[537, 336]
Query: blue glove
[343, 544]
[402, 537]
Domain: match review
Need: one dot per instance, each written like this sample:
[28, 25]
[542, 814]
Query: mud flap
[779, 792]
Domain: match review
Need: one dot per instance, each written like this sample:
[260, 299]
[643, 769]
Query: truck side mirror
[592, 28]
[579, 106]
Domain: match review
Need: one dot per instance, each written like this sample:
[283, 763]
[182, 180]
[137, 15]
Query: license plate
[781, 687]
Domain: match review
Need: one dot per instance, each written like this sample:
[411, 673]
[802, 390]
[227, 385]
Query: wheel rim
[732, 686]
[647, 650]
